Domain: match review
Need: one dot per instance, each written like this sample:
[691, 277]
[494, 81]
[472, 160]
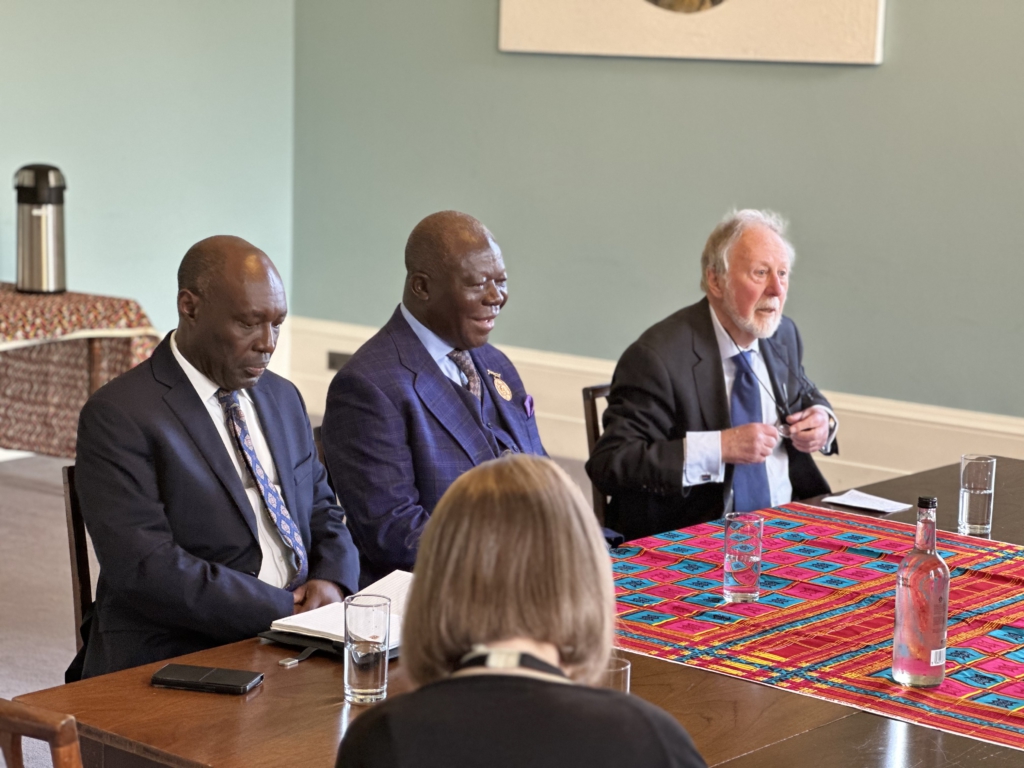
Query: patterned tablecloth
[44, 361]
[823, 625]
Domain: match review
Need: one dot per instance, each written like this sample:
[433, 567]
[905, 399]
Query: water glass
[367, 627]
[743, 532]
[617, 676]
[977, 487]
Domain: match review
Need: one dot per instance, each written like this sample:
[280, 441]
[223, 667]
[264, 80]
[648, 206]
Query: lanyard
[503, 658]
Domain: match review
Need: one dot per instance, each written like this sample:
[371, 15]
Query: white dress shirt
[278, 567]
[436, 347]
[702, 451]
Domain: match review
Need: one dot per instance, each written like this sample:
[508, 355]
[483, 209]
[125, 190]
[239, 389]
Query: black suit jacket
[174, 532]
[670, 382]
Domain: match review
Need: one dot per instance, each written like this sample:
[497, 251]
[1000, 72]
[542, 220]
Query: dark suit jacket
[174, 532]
[670, 382]
[396, 434]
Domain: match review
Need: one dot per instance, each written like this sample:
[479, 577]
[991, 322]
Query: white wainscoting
[879, 438]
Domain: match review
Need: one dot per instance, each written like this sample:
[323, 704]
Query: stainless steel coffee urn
[40, 228]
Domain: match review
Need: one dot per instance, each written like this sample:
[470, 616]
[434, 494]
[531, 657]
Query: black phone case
[206, 679]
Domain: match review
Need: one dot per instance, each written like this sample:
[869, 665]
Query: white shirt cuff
[702, 458]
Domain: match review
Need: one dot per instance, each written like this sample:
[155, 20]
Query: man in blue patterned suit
[426, 398]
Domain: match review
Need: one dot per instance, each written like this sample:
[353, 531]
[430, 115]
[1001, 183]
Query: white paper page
[395, 586]
[862, 500]
[328, 621]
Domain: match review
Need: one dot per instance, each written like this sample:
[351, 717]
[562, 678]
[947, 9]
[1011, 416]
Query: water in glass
[367, 629]
[366, 671]
[742, 578]
[977, 483]
[741, 582]
[975, 511]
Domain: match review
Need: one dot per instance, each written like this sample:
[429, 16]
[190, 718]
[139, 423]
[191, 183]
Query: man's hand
[749, 444]
[315, 593]
[808, 429]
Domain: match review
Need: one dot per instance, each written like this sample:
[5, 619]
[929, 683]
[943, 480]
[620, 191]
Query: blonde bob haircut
[512, 550]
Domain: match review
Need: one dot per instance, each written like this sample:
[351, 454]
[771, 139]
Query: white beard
[759, 329]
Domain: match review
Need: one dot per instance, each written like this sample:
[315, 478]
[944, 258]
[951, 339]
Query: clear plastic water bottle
[922, 607]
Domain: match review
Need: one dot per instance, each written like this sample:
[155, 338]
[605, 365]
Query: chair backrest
[81, 583]
[59, 731]
[318, 440]
[590, 397]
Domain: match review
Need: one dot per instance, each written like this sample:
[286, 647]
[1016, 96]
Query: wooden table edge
[108, 739]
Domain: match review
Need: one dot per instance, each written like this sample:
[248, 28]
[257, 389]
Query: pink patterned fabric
[823, 624]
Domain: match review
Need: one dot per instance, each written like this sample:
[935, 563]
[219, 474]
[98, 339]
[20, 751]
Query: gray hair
[724, 237]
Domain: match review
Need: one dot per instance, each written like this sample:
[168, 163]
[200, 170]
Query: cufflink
[705, 478]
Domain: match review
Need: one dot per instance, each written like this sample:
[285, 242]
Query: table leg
[95, 365]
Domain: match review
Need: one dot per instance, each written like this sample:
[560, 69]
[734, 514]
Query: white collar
[436, 347]
[203, 386]
[726, 346]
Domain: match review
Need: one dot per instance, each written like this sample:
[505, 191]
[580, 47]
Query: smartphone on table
[208, 679]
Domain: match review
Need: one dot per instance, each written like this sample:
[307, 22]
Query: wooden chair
[590, 397]
[81, 583]
[59, 731]
[318, 440]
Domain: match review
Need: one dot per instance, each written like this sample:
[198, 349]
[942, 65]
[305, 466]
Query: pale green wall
[602, 177]
[172, 121]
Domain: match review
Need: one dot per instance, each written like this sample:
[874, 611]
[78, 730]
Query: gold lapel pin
[501, 386]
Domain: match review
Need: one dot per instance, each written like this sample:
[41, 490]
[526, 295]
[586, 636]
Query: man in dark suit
[426, 398]
[199, 481]
[710, 410]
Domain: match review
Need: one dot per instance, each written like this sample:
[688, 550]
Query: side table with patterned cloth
[55, 350]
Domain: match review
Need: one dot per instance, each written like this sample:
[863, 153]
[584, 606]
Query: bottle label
[938, 657]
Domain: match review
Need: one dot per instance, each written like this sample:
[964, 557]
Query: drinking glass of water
[367, 626]
[977, 485]
[617, 675]
[743, 531]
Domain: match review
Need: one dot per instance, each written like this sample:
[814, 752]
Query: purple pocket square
[528, 405]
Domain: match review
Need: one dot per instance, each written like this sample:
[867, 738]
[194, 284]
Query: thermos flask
[40, 229]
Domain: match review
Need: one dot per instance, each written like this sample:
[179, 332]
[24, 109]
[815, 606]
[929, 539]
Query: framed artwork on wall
[810, 31]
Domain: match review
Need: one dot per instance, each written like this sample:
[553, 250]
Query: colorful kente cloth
[824, 623]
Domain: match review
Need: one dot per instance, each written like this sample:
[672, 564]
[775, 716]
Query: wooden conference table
[298, 716]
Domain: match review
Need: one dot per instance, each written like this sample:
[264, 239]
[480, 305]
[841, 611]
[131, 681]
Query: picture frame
[805, 31]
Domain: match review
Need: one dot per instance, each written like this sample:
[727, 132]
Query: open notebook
[328, 622]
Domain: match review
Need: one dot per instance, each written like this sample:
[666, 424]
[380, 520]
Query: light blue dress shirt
[436, 347]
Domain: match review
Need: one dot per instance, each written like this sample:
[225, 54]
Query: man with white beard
[710, 410]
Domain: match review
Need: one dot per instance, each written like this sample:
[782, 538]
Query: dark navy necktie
[271, 498]
[749, 481]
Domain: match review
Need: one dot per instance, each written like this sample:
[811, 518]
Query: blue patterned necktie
[271, 498]
[749, 481]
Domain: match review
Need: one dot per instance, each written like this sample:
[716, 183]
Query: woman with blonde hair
[508, 627]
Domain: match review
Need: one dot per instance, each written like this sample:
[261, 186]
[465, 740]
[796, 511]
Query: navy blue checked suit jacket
[396, 434]
[174, 532]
